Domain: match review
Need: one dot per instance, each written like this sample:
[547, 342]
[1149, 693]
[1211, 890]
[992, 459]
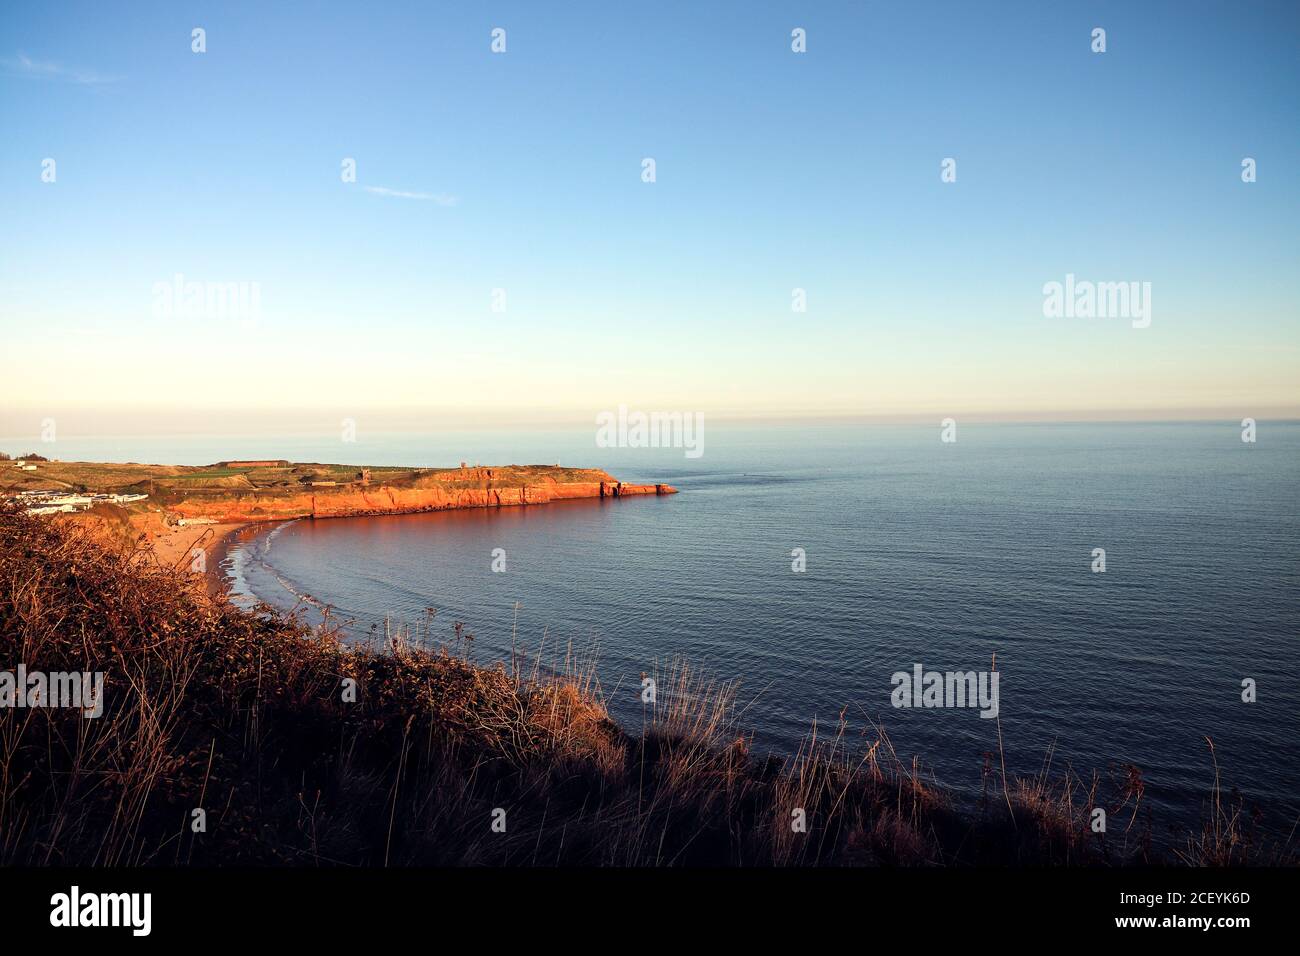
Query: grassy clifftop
[250, 718]
[173, 481]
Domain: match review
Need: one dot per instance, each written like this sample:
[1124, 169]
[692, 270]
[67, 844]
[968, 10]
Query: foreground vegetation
[245, 716]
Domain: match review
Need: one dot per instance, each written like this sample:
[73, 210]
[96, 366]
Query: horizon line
[81, 424]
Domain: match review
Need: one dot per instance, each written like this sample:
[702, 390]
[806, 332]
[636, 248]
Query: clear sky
[775, 170]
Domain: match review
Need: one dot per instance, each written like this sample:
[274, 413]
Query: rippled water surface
[917, 552]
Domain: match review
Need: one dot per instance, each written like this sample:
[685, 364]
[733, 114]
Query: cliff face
[391, 499]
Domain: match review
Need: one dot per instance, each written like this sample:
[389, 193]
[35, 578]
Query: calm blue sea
[918, 552]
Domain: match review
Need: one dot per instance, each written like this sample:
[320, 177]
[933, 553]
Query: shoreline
[172, 546]
[216, 578]
[229, 533]
[219, 503]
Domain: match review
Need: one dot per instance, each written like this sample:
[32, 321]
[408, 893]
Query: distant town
[59, 501]
[53, 502]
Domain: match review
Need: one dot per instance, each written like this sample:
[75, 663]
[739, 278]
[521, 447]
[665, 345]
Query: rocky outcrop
[446, 491]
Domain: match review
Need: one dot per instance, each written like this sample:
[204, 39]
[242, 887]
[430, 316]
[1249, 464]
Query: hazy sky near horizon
[775, 170]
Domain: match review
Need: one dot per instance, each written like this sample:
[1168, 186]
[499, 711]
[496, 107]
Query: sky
[522, 172]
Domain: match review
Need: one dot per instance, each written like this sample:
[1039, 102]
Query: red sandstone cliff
[441, 491]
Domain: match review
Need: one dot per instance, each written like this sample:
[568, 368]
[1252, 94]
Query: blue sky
[775, 170]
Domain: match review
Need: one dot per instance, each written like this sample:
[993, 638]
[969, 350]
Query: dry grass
[243, 714]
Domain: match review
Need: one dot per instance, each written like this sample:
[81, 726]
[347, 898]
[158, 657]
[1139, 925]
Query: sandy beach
[174, 546]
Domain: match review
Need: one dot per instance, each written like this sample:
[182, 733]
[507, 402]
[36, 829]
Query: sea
[812, 567]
